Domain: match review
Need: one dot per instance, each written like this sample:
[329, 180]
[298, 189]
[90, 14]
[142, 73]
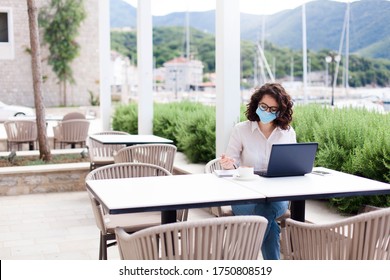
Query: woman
[269, 115]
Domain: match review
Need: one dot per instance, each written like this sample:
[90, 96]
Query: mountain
[122, 14]
[369, 25]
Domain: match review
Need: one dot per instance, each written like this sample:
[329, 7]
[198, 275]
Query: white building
[16, 85]
[182, 74]
[124, 77]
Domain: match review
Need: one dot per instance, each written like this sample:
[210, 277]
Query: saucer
[249, 178]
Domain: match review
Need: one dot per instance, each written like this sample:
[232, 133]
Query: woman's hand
[227, 162]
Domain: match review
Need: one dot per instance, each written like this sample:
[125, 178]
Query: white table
[169, 193]
[131, 139]
[297, 189]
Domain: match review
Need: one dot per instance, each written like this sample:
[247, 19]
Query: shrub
[126, 118]
[196, 135]
[174, 121]
[354, 141]
[169, 117]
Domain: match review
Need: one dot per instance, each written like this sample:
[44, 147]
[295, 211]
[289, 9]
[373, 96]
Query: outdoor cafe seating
[20, 132]
[362, 237]
[159, 154]
[130, 222]
[71, 132]
[225, 238]
[103, 154]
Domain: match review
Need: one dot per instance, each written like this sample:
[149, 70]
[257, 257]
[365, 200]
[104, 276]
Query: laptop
[294, 159]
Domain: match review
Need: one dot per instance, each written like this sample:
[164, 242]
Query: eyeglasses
[271, 109]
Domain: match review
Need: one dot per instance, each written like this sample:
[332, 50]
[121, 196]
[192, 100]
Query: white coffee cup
[245, 171]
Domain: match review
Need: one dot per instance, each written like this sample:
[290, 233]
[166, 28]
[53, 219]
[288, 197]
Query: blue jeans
[271, 211]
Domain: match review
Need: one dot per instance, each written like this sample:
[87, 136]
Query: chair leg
[100, 247]
[103, 247]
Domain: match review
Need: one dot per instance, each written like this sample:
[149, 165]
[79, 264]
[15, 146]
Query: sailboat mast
[292, 69]
[343, 33]
[261, 61]
[264, 60]
[188, 35]
[304, 50]
[347, 48]
[188, 79]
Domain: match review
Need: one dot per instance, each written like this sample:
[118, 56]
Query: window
[6, 34]
[4, 38]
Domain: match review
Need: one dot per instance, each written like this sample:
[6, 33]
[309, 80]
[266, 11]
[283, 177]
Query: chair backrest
[362, 237]
[97, 149]
[112, 132]
[73, 131]
[212, 165]
[226, 238]
[120, 170]
[21, 130]
[126, 170]
[159, 154]
[74, 116]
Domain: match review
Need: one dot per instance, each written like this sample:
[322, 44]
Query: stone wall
[16, 77]
[43, 178]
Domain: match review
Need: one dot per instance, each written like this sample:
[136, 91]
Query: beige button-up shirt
[249, 147]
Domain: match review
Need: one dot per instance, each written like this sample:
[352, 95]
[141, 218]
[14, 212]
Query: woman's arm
[233, 151]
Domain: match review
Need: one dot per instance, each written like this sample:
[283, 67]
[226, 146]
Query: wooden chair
[100, 154]
[362, 237]
[71, 132]
[159, 154]
[130, 222]
[74, 116]
[20, 132]
[226, 238]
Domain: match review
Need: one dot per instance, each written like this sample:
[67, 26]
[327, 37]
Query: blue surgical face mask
[265, 116]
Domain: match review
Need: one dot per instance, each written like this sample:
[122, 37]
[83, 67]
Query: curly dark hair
[276, 91]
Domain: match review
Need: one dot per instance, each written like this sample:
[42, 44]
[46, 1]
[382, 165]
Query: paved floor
[53, 226]
[61, 226]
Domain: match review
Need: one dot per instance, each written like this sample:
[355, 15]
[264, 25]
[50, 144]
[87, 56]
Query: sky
[261, 7]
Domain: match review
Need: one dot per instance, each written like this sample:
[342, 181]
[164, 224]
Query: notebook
[295, 159]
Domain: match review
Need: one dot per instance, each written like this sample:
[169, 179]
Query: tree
[44, 149]
[61, 21]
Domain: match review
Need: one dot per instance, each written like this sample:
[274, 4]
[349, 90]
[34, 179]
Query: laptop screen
[292, 159]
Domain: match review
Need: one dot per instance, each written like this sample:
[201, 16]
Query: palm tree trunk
[44, 148]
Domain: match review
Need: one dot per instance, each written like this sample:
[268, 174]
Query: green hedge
[354, 141]
[351, 140]
[190, 125]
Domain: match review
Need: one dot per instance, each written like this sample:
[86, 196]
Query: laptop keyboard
[261, 173]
